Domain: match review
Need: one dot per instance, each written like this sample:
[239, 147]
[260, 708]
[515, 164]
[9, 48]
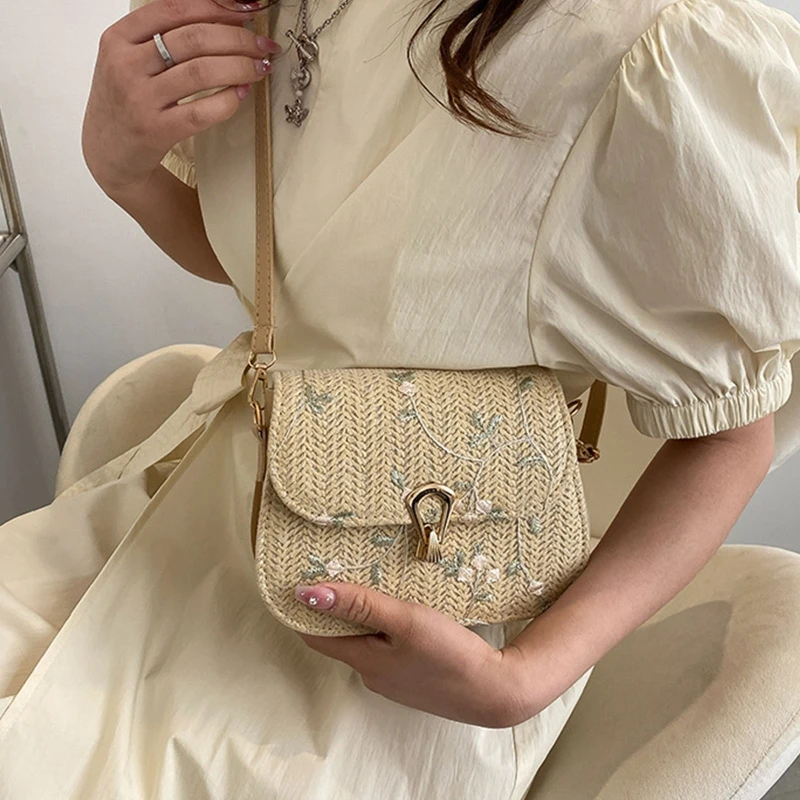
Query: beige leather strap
[262, 345]
[592, 423]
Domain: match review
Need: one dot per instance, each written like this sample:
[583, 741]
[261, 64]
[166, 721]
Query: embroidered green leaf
[484, 430]
[452, 564]
[477, 548]
[406, 414]
[477, 439]
[316, 401]
[497, 513]
[340, 516]
[461, 486]
[531, 461]
[494, 424]
[534, 525]
[527, 383]
[513, 568]
[484, 597]
[449, 566]
[382, 540]
[398, 479]
[401, 377]
[317, 568]
[375, 574]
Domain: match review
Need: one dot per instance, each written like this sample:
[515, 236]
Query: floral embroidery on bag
[518, 567]
[316, 402]
[335, 568]
[317, 569]
[485, 430]
[399, 480]
[383, 541]
[333, 519]
[479, 575]
[470, 507]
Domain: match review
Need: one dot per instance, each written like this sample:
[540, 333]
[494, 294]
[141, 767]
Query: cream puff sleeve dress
[647, 237]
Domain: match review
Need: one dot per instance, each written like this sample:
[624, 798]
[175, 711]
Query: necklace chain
[307, 50]
[331, 18]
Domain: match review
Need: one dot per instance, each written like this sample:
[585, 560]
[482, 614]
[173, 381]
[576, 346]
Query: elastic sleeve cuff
[180, 168]
[706, 417]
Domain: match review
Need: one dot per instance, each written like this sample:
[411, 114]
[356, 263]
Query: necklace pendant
[296, 112]
[300, 77]
[307, 49]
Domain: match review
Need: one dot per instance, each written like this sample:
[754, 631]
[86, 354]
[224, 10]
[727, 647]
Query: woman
[621, 204]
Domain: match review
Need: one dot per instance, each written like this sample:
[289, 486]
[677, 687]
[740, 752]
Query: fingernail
[263, 65]
[243, 90]
[267, 45]
[320, 598]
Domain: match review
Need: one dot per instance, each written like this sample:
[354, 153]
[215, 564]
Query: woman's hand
[421, 658]
[132, 116]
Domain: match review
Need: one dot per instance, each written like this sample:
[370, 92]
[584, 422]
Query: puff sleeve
[179, 159]
[667, 259]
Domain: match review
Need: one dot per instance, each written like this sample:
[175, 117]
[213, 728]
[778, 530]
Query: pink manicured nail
[263, 65]
[320, 598]
[267, 45]
[243, 90]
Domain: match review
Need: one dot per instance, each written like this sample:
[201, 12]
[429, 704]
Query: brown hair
[465, 39]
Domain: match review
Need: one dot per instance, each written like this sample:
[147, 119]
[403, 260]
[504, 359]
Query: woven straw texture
[344, 448]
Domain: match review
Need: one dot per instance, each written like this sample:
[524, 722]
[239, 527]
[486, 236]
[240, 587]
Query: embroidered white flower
[334, 568]
[537, 587]
[470, 516]
[480, 562]
[324, 519]
[407, 388]
[465, 575]
[483, 506]
[493, 575]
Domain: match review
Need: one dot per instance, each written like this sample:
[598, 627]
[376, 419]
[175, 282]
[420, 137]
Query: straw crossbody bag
[457, 489]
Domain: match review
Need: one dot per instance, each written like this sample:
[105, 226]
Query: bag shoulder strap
[262, 345]
[263, 341]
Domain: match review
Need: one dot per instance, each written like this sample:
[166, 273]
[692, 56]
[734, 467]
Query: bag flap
[345, 446]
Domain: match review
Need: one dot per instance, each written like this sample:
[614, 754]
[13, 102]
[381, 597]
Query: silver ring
[162, 50]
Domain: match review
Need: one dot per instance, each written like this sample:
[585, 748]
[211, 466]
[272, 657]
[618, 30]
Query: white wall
[109, 293]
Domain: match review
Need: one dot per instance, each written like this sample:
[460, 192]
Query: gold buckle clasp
[430, 539]
[260, 381]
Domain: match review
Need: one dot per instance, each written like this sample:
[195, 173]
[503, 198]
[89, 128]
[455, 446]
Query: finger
[166, 15]
[201, 39]
[362, 606]
[201, 74]
[188, 119]
[350, 650]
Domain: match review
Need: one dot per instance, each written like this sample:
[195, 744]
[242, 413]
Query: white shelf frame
[15, 256]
